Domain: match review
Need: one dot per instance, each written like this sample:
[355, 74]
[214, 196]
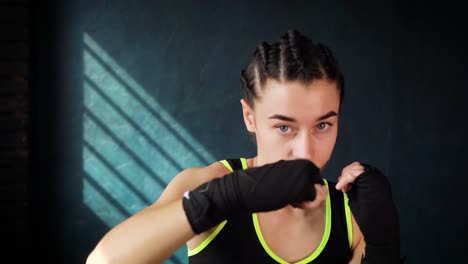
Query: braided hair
[294, 58]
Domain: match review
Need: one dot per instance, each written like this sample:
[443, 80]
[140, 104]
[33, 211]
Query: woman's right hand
[260, 189]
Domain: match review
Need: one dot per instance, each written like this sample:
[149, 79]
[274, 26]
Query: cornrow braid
[293, 58]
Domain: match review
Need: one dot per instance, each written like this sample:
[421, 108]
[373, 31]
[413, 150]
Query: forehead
[298, 100]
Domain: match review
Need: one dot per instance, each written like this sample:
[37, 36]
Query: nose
[303, 147]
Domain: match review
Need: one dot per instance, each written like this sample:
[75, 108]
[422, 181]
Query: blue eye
[323, 126]
[283, 129]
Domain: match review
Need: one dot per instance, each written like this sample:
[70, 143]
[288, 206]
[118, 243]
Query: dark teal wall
[129, 93]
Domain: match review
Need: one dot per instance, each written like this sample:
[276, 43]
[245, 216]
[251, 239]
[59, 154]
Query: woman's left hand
[348, 176]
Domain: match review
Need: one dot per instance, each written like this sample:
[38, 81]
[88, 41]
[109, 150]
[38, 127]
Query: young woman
[274, 207]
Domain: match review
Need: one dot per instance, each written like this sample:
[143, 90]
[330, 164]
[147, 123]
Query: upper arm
[358, 245]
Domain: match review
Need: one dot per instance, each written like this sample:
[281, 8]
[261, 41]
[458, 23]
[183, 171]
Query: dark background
[404, 108]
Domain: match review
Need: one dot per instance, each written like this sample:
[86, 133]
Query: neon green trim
[207, 240]
[317, 251]
[349, 220]
[227, 165]
[218, 229]
[244, 164]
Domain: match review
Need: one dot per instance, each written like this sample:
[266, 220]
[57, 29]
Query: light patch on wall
[132, 146]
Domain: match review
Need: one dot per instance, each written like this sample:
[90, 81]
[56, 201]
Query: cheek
[324, 150]
[270, 143]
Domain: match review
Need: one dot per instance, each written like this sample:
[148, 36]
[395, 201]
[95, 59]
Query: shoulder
[359, 244]
[205, 173]
[189, 179]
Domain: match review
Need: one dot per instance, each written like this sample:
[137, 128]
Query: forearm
[372, 205]
[150, 236]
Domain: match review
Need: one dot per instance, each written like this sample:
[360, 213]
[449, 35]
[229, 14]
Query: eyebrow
[290, 119]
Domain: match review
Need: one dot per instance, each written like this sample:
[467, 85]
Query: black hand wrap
[372, 205]
[259, 189]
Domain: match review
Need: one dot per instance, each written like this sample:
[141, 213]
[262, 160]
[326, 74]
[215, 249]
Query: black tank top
[239, 240]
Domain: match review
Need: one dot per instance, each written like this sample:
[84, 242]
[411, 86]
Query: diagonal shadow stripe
[107, 196]
[94, 86]
[121, 144]
[116, 172]
[141, 101]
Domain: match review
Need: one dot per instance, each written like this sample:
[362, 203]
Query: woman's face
[294, 121]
